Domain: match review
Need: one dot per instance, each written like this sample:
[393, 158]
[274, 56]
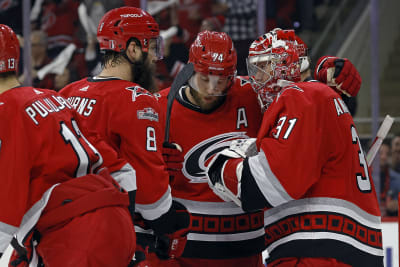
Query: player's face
[211, 85]
[396, 151]
[384, 154]
[209, 90]
[152, 54]
[144, 68]
[264, 71]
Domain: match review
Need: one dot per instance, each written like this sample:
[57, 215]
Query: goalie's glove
[224, 172]
[173, 158]
[338, 73]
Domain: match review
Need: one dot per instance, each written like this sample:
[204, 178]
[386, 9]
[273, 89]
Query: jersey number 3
[363, 182]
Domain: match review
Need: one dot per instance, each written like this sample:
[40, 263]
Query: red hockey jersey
[40, 147]
[218, 229]
[312, 170]
[127, 118]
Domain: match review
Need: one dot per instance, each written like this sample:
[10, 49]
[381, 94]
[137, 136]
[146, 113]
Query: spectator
[61, 80]
[215, 23]
[175, 49]
[39, 58]
[396, 153]
[59, 19]
[384, 165]
[240, 25]
[392, 199]
[190, 15]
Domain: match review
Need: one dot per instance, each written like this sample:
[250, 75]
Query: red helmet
[119, 25]
[270, 62]
[9, 49]
[212, 53]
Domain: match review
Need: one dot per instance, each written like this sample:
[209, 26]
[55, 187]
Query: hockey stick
[382, 132]
[180, 79]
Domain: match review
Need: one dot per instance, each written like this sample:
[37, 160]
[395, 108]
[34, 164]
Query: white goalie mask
[271, 60]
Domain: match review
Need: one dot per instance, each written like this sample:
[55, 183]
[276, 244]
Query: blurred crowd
[63, 32]
[389, 155]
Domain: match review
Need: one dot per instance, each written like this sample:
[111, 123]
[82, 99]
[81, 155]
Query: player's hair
[113, 58]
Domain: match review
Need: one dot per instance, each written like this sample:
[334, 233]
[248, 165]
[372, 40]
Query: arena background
[366, 32]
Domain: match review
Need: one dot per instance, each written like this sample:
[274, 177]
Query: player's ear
[133, 51]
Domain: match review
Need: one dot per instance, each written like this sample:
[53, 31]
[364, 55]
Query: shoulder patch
[138, 91]
[37, 92]
[243, 81]
[157, 95]
[147, 114]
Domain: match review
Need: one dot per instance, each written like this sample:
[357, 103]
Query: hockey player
[215, 108]
[115, 105]
[51, 191]
[310, 169]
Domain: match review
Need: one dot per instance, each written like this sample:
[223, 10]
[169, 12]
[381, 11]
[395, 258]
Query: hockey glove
[339, 73]
[224, 172]
[172, 245]
[173, 158]
[22, 256]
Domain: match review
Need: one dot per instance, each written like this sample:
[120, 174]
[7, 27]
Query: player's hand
[24, 255]
[172, 245]
[339, 73]
[173, 157]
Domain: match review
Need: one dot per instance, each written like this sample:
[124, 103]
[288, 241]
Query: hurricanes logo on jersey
[197, 158]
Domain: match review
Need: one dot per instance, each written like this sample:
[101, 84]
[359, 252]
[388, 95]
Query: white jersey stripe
[6, 233]
[155, 210]
[340, 206]
[126, 177]
[266, 180]
[325, 235]
[226, 237]
[210, 208]
[32, 216]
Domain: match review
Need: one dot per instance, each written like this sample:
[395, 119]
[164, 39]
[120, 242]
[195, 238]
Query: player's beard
[206, 105]
[143, 74]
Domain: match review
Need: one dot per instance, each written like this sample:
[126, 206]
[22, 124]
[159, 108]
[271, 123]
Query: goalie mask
[214, 59]
[9, 50]
[270, 62]
[119, 25]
